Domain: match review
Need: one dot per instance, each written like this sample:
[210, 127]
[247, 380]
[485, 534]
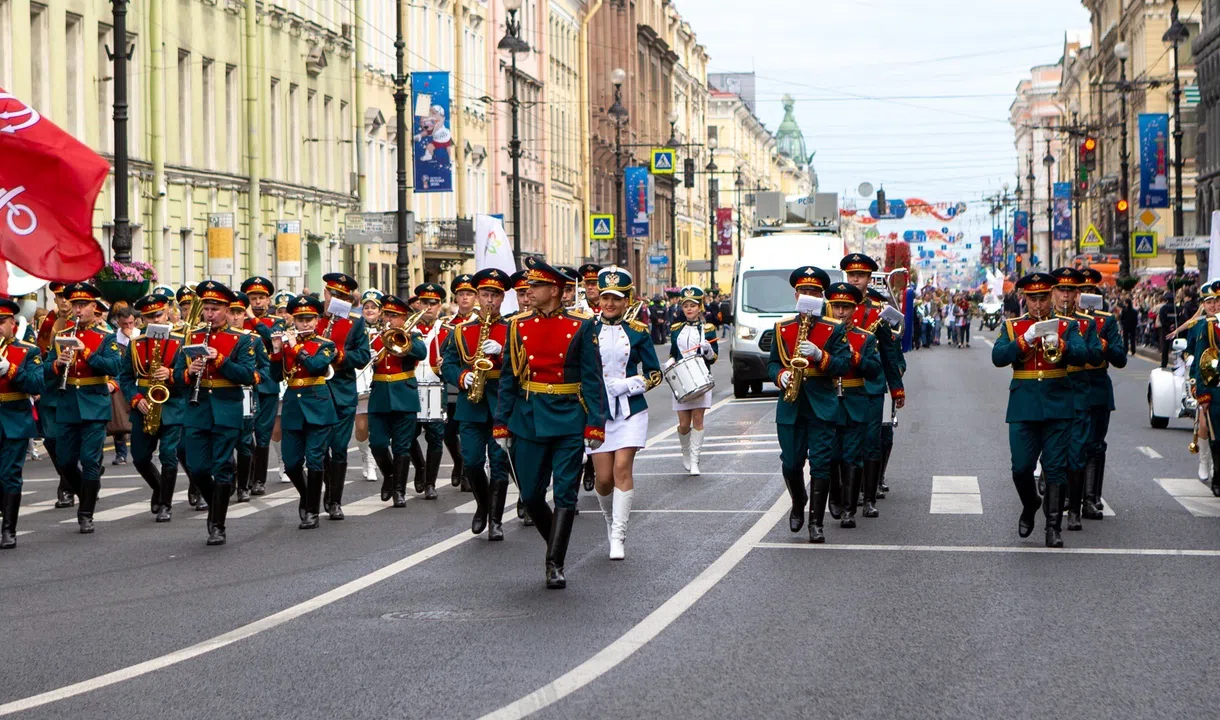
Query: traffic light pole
[1122, 220]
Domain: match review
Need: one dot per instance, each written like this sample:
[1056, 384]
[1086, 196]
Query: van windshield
[768, 291]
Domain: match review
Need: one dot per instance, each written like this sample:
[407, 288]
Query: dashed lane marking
[1149, 452]
[1192, 495]
[956, 495]
[1015, 549]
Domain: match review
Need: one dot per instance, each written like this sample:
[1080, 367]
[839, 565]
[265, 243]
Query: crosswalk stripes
[45, 505]
[1192, 495]
[956, 495]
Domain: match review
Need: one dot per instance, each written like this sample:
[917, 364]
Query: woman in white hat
[692, 336]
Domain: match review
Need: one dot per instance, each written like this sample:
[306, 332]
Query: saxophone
[481, 364]
[158, 392]
[799, 363]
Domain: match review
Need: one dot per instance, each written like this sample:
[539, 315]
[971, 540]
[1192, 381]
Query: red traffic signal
[1122, 205]
[1088, 153]
[1090, 144]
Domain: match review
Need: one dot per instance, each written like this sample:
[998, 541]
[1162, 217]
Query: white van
[762, 296]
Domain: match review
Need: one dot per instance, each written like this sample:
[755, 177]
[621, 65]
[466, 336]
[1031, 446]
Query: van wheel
[741, 390]
[756, 387]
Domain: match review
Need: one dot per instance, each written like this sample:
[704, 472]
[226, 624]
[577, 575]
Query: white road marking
[1192, 495]
[1106, 511]
[654, 456]
[1149, 452]
[704, 474]
[369, 505]
[1015, 549]
[648, 628]
[956, 495]
[124, 511]
[703, 512]
[44, 505]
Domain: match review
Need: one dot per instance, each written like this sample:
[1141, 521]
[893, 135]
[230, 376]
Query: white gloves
[807, 347]
[785, 379]
[491, 347]
[593, 443]
[506, 443]
[635, 385]
[468, 380]
[705, 348]
[4, 365]
[1029, 335]
[669, 362]
[616, 387]
[1050, 341]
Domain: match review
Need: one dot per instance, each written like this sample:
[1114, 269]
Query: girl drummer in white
[630, 368]
[370, 309]
[687, 339]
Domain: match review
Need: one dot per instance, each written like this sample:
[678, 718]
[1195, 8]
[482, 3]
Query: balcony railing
[454, 236]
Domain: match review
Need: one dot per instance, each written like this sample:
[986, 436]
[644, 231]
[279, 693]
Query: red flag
[49, 183]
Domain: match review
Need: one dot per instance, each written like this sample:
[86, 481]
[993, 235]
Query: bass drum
[432, 399]
[689, 378]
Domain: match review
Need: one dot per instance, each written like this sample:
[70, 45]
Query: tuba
[481, 364]
[798, 364]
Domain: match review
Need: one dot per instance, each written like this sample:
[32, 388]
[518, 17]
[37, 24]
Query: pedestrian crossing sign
[1092, 238]
[1143, 244]
[663, 161]
[601, 227]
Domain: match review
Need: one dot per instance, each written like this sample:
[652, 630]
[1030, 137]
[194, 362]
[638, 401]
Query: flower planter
[125, 290]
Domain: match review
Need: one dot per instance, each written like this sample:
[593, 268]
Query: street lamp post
[403, 275]
[673, 206]
[1016, 208]
[1049, 161]
[995, 212]
[738, 184]
[619, 115]
[1030, 178]
[121, 243]
[713, 195]
[1122, 52]
[1177, 34]
[513, 43]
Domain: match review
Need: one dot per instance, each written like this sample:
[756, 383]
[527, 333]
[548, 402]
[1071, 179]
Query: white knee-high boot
[278, 462]
[622, 513]
[606, 502]
[1205, 461]
[696, 445]
[366, 459]
[684, 441]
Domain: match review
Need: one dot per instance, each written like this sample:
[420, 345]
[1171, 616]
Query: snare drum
[247, 402]
[431, 402]
[689, 378]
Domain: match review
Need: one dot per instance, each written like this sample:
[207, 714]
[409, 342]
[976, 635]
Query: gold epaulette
[831, 320]
[675, 326]
[1103, 313]
[638, 326]
[708, 326]
[578, 314]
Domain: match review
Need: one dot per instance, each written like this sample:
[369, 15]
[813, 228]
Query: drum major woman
[690, 338]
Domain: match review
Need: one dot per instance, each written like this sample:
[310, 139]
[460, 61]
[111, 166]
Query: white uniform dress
[689, 338]
[621, 431]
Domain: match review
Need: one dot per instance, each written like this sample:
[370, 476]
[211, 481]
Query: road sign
[375, 228]
[658, 259]
[663, 161]
[1147, 218]
[1092, 238]
[1186, 242]
[698, 265]
[1143, 244]
[601, 227]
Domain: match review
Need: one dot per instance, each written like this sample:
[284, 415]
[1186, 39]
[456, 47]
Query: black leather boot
[385, 463]
[834, 490]
[590, 475]
[417, 464]
[542, 516]
[432, 469]
[1042, 484]
[88, 501]
[871, 473]
[217, 513]
[1053, 509]
[258, 471]
[10, 503]
[524, 514]
[338, 476]
[882, 488]
[149, 473]
[495, 524]
[817, 509]
[297, 476]
[482, 499]
[453, 444]
[851, 475]
[169, 478]
[313, 498]
[1075, 496]
[401, 465]
[1215, 470]
[1030, 502]
[244, 465]
[1089, 510]
[557, 548]
[796, 490]
[1101, 480]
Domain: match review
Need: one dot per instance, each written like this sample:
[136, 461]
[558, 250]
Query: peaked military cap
[809, 276]
[492, 279]
[858, 262]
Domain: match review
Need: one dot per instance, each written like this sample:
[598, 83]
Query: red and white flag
[49, 183]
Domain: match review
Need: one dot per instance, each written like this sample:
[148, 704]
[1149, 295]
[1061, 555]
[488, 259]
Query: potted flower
[125, 281]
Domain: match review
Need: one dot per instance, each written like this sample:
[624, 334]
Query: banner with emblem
[1020, 231]
[724, 231]
[432, 138]
[985, 250]
[636, 181]
[1063, 210]
[1154, 160]
[288, 248]
[220, 244]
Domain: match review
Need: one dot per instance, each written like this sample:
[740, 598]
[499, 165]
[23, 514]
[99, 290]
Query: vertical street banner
[1154, 160]
[492, 249]
[635, 191]
[1020, 231]
[432, 138]
[1063, 210]
[288, 248]
[985, 250]
[220, 244]
[724, 231]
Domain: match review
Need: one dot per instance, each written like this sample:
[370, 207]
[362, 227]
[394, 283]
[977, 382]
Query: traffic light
[1088, 153]
[1082, 180]
[688, 172]
[1120, 209]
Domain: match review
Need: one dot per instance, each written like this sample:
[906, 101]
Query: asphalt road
[936, 609]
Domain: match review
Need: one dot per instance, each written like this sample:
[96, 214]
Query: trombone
[397, 341]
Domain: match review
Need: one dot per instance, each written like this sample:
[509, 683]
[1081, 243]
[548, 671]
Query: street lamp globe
[513, 5]
[618, 76]
[1122, 51]
[1049, 160]
[674, 117]
[1005, 188]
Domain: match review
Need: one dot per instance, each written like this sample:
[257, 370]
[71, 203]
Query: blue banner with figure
[432, 138]
[635, 191]
[1154, 160]
[1020, 231]
[1063, 210]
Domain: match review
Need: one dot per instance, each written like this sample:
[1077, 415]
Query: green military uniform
[267, 390]
[807, 426]
[185, 297]
[308, 412]
[135, 382]
[351, 341]
[1041, 408]
[894, 367]
[1101, 396]
[214, 417]
[434, 335]
[82, 407]
[1206, 334]
[461, 349]
[551, 403]
[21, 378]
[394, 405]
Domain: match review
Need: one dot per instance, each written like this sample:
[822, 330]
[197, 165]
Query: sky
[912, 95]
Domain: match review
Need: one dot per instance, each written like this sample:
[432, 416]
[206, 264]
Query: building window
[345, 149]
[277, 136]
[40, 59]
[184, 107]
[105, 93]
[231, 122]
[294, 131]
[328, 143]
[74, 31]
[311, 131]
[208, 86]
[6, 44]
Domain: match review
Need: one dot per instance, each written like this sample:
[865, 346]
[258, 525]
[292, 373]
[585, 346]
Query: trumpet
[1053, 353]
[63, 380]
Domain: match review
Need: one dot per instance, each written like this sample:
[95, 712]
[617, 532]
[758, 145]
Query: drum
[248, 402]
[689, 378]
[432, 401]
